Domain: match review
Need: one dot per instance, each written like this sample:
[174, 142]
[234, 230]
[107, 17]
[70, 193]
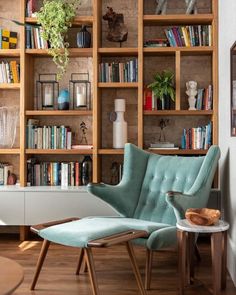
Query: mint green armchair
[155, 192]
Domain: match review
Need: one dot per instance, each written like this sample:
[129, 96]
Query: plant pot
[164, 104]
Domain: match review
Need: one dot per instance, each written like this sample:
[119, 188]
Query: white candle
[48, 97]
[80, 97]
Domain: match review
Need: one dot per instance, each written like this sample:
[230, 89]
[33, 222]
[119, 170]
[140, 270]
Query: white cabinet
[11, 208]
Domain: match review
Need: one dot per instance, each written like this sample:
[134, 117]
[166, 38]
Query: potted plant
[55, 17]
[163, 88]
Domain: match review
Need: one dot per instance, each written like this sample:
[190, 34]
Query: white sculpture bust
[191, 92]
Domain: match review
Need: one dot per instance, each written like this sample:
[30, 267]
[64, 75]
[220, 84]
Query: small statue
[162, 124]
[191, 92]
[83, 128]
[117, 30]
[191, 6]
[114, 173]
[161, 6]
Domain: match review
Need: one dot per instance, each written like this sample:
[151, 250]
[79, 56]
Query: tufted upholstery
[142, 192]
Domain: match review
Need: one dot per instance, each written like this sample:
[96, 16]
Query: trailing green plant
[55, 17]
[163, 85]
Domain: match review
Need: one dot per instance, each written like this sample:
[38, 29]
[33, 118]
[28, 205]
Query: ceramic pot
[86, 170]
[83, 38]
[63, 100]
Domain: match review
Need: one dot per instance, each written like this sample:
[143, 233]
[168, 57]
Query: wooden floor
[114, 272]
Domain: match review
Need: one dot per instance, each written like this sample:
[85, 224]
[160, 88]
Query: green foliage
[55, 17]
[163, 85]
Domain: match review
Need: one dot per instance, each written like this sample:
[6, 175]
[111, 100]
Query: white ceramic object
[191, 92]
[119, 125]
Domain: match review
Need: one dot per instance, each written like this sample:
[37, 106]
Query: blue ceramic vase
[83, 38]
[63, 100]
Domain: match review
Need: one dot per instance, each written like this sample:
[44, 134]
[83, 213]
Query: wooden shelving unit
[100, 90]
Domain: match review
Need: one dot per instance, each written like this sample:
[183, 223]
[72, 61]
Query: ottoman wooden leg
[39, 265]
[80, 261]
[216, 256]
[91, 269]
[148, 271]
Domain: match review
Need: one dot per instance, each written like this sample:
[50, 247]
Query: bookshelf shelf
[118, 51]
[73, 52]
[118, 85]
[9, 52]
[177, 19]
[59, 113]
[178, 152]
[78, 20]
[13, 151]
[10, 86]
[111, 151]
[58, 152]
[198, 50]
[177, 113]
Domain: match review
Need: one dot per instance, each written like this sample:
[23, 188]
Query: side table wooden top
[185, 225]
[11, 275]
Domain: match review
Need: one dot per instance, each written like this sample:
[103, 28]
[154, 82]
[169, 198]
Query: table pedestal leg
[182, 249]
[216, 256]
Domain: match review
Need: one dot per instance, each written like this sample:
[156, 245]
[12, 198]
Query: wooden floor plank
[113, 268]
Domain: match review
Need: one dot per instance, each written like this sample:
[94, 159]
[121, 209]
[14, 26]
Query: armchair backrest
[150, 177]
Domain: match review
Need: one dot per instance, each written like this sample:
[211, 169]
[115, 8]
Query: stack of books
[48, 137]
[5, 170]
[9, 72]
[34, 39]
[156, 43]
[197, 138]
[119, 71]
[163, 145]
[204, 98]
[181, 36]
[53, 173]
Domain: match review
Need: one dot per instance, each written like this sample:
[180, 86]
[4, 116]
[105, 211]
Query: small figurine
[114, 173]
[191, 92]
[161, 6]
[83, 128]
[162, 124]
[117, 30]
[191, 6]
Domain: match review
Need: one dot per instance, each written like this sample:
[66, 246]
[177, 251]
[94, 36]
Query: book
[164, 144]
[82, 147]
[164, 148]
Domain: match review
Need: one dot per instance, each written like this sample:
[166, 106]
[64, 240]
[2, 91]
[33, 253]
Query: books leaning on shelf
[5, 170]
[204, 98]
[119, 71]
[34, 39]
[197, 138]
[186, 36]
[9, 72]
[53, 173]
[48, 137]
[159, 42]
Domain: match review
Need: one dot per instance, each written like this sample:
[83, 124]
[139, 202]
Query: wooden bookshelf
[180, 19]
[118, 51]
[9, 52]
[58, 113]
[78, 20]
[197, 50]
[177, 113]
[118, 85]
[59, 152]
[10, 86]
[73, 52]
[111, 151]
[13, 151]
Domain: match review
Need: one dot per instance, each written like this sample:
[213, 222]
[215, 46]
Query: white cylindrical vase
[119, 125]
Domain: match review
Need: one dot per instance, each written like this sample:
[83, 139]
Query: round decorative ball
[63, 100]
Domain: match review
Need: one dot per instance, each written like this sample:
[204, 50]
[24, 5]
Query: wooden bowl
[202, 216]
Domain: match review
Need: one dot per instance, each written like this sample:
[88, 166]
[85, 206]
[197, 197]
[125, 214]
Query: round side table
[186, 240]
[11, 275]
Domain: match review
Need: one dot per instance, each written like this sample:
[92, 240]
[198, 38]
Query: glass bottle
[86, 170]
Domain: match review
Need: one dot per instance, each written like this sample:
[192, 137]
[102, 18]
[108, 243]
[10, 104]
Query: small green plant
[55, 17]
[163, 85]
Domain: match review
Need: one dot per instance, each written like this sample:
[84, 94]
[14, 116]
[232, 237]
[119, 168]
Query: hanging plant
[55, 17]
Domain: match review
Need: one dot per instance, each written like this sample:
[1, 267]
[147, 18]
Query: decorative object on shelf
[163, 89]
[161, 6]
[80, 90]
[47, 89]
[119, 124]
[83, 38]
[11, 179]
[83, 129]
[202, 216]
[8, 121]
[117, 30]
[55, 17]
[63, 100]
[86, 170]
[114, 173]
[191, 92]
[234, 95]
[162, 124]
[191, 6]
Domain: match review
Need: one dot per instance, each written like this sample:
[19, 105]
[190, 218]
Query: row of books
[53, 173]
[8, 39]
[197, 138]
[9, 72]
[5, 170]
[181, 36]
[34, 39]
[158, 42]
[32, 6]
[119, 71]
[48, 137]
[204, 98]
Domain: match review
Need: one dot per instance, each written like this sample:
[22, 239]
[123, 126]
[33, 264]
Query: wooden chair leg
[40, 261]
[80, 261]
[197, 253]
[91, 270]
[224, 261]
[148, 270]
[135, 268]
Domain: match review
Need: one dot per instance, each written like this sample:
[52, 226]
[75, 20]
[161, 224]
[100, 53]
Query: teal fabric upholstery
[79, 233]
[142, 192]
